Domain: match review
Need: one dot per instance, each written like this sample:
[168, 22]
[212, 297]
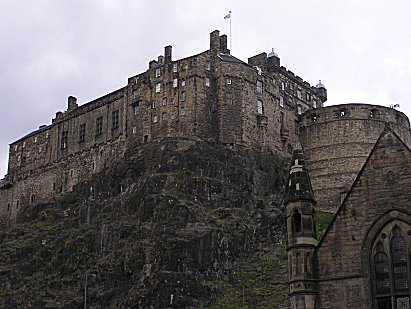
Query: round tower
[338, 139]
[302, 239]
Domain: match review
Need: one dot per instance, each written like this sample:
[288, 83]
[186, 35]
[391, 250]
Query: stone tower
[302, 241]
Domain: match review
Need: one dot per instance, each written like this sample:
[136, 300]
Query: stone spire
[299, 183]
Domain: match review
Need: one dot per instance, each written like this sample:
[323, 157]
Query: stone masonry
[213, 96]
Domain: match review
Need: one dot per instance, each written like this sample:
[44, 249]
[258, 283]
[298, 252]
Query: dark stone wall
[379, 197]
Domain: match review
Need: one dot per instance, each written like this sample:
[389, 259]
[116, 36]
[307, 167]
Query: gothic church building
[363, 261]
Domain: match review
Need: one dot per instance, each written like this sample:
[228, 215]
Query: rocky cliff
[176, 224]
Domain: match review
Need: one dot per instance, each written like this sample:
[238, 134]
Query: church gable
[379, 199]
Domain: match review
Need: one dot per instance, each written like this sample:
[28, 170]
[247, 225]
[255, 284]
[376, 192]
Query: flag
[227, 16]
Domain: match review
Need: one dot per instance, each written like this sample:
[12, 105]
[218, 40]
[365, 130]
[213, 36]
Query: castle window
[114, 120]
[32, 198]
[175, 67]
[282, 86]
[229, 81]
[40, 149]
[99, 126]
[183, 96]
[296, 222]
[228, 98]
[145, 138]
[164, 101]
[281, 101]
[314, 117]
[16, 147]
[64, 139]
[208, 66]
[8, 207]
[299, 110]
[158, 72]
[374, 113]
[35, 139]
[259, 87]
[18, 158]
[137, 109]
[391, 272]
[175, 83]
[182, 111]
[153, 104]
[172, 101]
[207, 82]
[183, 83]
[342, 113]
[282, 120]
[291, 86]
[314, 104]
[134, 130]
[17, 204]
[158, 87]
[260, 107]
[47, 134]
[308, 96]
[299, 94]
[135, 94]
[296, 127]
[82, 133]
[164, 116]
[24, 144]
[154, 118]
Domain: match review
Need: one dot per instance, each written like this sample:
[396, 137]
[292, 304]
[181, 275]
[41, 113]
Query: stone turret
[302, 241]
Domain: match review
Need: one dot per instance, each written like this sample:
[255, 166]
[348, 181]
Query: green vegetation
[322, 221]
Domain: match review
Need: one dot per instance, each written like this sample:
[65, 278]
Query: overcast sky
[50, 49]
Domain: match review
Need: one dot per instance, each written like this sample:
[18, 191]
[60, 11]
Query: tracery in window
[391, 269]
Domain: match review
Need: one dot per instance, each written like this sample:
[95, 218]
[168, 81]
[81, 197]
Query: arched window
[391, 272]
[382, 271]
[399, 261]
[296, 222]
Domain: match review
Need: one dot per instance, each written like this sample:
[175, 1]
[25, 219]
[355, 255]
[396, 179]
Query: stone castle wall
[211, 95]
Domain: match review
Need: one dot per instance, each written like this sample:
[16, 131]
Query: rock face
[175, 224]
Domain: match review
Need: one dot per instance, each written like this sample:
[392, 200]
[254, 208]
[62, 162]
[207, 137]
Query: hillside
[176, 224]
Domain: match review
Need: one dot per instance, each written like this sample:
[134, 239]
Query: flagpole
[231, 45]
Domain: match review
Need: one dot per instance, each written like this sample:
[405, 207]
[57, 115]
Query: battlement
[211, 95]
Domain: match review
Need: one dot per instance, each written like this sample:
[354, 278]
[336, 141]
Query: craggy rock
[175, 224]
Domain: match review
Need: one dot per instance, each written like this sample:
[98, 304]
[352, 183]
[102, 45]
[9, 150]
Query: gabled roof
[343, 206]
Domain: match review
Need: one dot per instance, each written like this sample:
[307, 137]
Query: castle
[211, 95]
[216, 96]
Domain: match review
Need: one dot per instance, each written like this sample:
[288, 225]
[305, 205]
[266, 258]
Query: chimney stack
[72, 103]
[167, 54]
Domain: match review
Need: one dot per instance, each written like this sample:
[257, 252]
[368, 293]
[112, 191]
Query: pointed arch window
[391, 266]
